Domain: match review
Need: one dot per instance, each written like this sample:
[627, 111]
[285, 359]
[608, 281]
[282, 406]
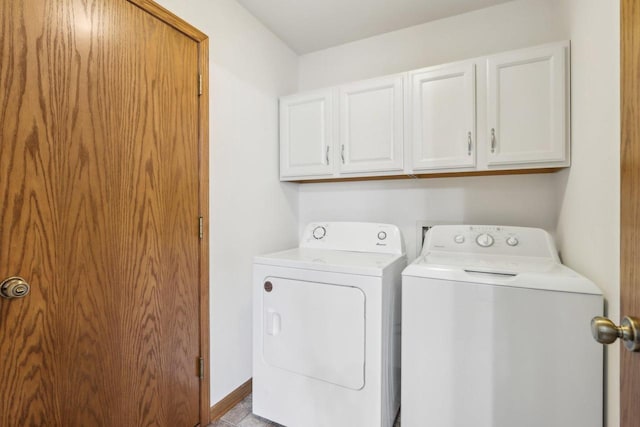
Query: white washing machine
[326, 328]
[496, 333]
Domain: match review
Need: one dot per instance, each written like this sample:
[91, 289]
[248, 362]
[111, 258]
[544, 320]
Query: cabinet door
[526, 106]
[443, 117]
[371, 125]
[306, 134]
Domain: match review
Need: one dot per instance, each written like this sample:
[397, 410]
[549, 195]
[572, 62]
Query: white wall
[523, 200]
[589, 219]
[507, 26]
[517, 200]
[251, 211]
[581, 205]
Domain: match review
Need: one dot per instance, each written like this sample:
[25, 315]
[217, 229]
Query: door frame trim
[202, 40]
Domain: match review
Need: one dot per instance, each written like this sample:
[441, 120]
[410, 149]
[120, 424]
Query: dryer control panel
[491, 240]
[353, 236]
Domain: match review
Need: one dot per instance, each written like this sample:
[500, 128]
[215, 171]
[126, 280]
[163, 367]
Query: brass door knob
[606, 332]
[14, 287]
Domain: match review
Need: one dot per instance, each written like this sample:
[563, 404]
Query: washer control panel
[491, 240]
[353, 236]
[485, 240]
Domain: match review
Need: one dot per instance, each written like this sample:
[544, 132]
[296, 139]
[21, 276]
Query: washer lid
[499, 264]
[362, 263]
[521, 272]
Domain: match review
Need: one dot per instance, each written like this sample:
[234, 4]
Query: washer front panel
[492, 356]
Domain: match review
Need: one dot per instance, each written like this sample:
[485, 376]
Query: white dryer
[326, 328]
[496, 333]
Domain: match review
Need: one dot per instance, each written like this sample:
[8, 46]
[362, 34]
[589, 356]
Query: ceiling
[310, 25]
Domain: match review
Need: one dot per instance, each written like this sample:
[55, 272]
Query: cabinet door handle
[326, 155]
[469, 144]
[493, 140]
[342, 154]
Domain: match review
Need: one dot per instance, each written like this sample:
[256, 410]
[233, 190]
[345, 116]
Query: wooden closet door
[99, 206]
[629, 206]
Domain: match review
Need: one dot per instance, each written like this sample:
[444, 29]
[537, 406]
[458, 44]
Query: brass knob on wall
[14, 287]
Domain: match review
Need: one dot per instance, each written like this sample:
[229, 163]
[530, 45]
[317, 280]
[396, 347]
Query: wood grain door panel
[99, 199]
[629, 208]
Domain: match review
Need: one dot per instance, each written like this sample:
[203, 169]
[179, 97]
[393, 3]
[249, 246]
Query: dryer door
[316, 330]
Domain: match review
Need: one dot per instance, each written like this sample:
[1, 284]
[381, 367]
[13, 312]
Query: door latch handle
[274, 322]
[606, 332]
[14, 287]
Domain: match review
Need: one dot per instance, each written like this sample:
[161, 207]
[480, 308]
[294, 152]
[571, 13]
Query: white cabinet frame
[496, 114]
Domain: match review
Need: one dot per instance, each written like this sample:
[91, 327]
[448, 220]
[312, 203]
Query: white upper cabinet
[306, 134]
[443, 117]
[371, 125]
[485, 115]
[527, 106]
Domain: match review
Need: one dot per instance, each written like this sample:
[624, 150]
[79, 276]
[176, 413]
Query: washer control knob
[459, 238]
[382, 235]
[485, 240]
[512, 241]
[319, 232]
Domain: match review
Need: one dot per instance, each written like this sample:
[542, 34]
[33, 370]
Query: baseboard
[230, 400]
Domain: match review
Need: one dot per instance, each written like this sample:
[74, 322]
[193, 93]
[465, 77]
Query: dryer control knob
[512, 241]
[485, 240]
[319, 232]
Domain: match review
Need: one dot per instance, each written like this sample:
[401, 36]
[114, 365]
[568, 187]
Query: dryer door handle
[274, 322]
